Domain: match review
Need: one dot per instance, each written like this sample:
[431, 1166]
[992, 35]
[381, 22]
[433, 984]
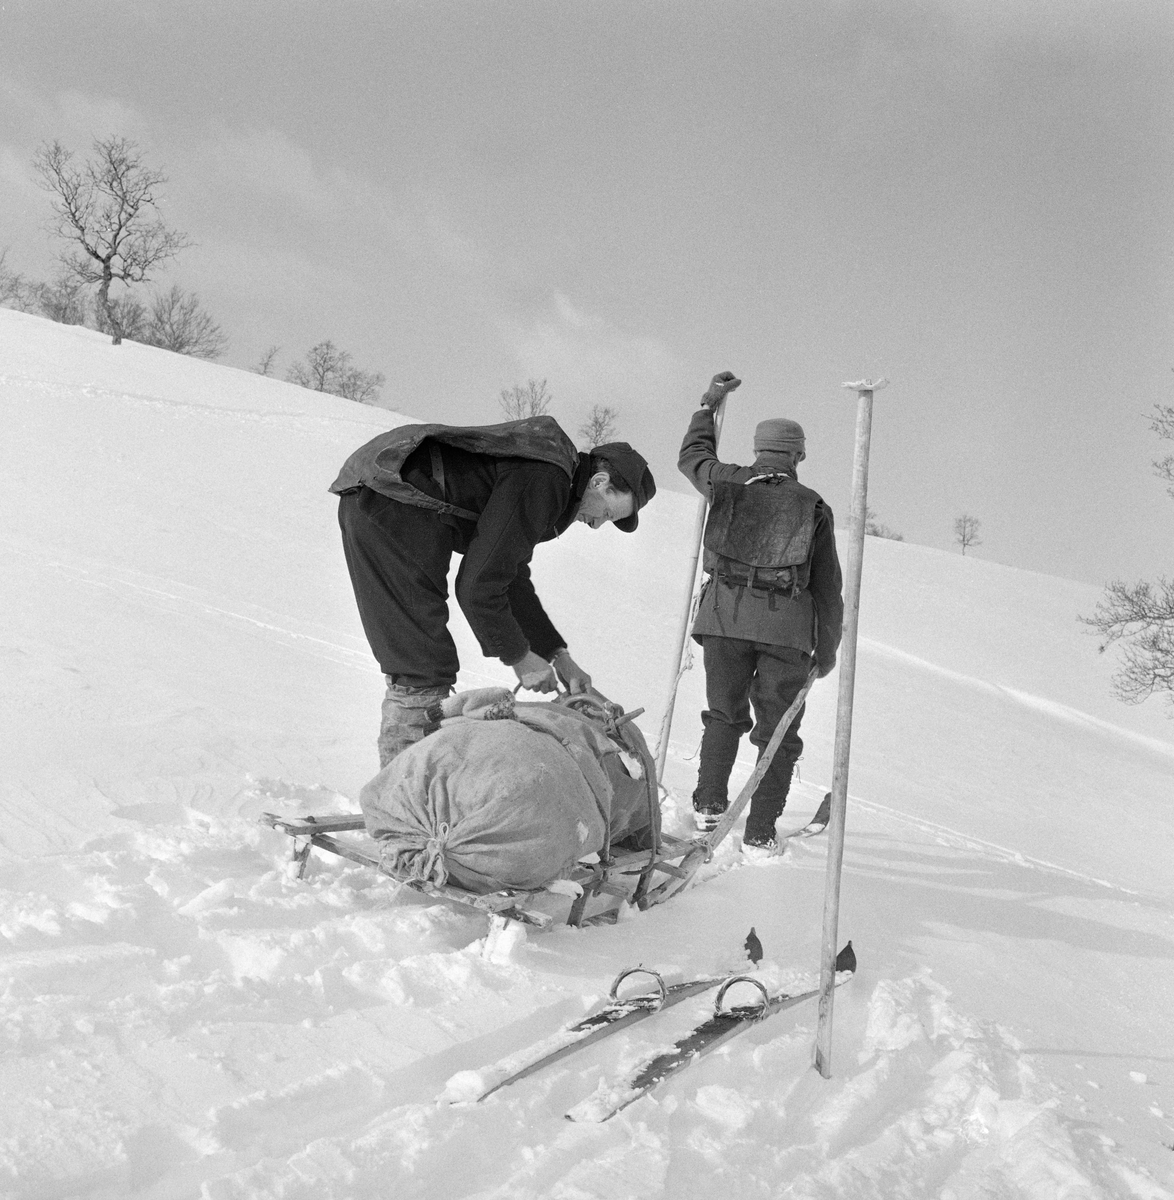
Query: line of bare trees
[173, 319]
[106, 214]
[532, 399]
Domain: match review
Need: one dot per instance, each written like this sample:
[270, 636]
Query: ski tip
[846, 959]
[823, 814]
[753, 946]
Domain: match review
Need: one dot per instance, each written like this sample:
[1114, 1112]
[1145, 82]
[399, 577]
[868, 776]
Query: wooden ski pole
[666, 723]
[843, 742]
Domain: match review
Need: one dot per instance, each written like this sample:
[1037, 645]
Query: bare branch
[966, 530]
[1162, 423]
[1141, 616]
[265, 362]
[62, 300]
[106, 210]
[178, 323]
[874, 528]
[15, 290]
[600, 426]
[530, 401]
[326, 368]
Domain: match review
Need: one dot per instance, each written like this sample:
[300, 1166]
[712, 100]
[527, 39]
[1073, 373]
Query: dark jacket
[516, 502]
[378, 464]
[811, 619]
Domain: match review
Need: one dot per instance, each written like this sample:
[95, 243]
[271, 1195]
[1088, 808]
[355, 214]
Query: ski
[817, 824]
[617, 1014]
[723, 1025]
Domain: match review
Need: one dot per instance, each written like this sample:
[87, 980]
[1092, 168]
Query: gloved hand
[574, 678]
[719, 388]
[535, 673]
[825, 668]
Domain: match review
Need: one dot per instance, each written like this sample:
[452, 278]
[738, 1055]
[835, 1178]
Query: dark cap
[632, 468]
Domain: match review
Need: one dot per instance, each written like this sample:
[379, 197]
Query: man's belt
[756, 583]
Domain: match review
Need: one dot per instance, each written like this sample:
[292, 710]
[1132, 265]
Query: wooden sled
[627, 875]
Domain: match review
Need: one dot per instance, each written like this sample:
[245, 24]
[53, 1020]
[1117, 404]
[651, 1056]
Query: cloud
[84, 117]
[72, 117]
[16, 174]
[294, 184]
[273, 165]
[586, 354]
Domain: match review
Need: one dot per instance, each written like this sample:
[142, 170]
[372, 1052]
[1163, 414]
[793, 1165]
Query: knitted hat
[632, 468]
[779, 434]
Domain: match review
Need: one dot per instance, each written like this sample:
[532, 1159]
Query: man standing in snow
[412, 497]
[771, 608]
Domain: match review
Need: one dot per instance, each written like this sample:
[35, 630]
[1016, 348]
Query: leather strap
[438, 468]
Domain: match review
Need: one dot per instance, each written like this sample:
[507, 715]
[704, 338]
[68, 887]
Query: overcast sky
[974, 199]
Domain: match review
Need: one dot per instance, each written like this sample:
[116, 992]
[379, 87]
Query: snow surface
[182, 1017]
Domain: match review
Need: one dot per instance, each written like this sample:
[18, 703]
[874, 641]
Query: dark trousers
[398, 558]
[740, 676]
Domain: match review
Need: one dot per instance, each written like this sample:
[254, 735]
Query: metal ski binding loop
[664, 995]
[729, 983]
[607, 712]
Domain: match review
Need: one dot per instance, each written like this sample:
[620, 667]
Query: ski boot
[759, 847]
[707, 814]
[709, 805]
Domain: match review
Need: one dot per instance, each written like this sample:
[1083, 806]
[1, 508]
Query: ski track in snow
[219, 410]
[1052, 708]
[168, 595]
[990, 849]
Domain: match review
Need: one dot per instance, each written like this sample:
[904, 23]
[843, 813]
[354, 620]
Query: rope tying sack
[429, 866]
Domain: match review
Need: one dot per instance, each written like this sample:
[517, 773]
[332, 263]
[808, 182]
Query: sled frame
[595, 879]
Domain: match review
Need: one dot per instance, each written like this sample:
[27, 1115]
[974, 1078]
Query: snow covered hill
[181, 1018]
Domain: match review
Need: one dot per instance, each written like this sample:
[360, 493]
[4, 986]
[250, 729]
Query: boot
[405, 717]
[758, 839]
[719, 749]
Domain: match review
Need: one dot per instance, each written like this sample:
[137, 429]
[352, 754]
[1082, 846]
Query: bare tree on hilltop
[966, 530]
[874, 528]
[63, 300]
[107, 208]
[15, 289]
[1141, 615]
[530, 401]
[177, 322]
[326, 368]
[265, 362]
[131, 314]
[600, 426]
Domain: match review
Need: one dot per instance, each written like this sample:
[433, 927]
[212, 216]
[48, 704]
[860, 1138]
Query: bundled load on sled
[503, 795]
[501, 803]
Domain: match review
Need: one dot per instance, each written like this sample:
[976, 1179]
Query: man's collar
[581, 478]
[579, 482]
[778, 464]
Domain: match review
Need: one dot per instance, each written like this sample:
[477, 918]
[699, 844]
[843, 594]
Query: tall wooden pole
[843, 743]
[666, 722]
